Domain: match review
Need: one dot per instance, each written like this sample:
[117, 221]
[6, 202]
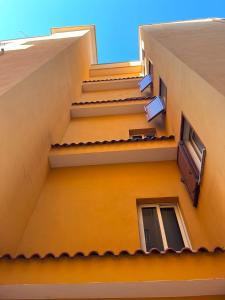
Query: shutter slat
[189, 172]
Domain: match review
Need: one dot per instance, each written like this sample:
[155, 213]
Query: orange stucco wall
[106, 127]
[118, 70]
[37, 86]
[195, 94]
[86, 208]
[109, 269]
[101, 217]
[81, 210]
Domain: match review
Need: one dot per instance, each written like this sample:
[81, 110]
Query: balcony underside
[123, 69]
[113, 152]
[125, 276]
[110, 107]
[112, 84]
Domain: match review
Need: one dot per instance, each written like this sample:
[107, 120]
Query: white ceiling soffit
[92, 86]
[107, 109]
[58, 160]
[181, 288]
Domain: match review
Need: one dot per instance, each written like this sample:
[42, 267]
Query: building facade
[113, 175]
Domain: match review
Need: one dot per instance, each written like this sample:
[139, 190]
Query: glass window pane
[155, 107]
[186, 131]
[194, 139]
[145, 82]
[152, 232]
[172, 229]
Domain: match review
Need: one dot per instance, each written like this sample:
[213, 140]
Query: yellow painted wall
[94, 208]
[110, 71]
[101, 128]
[126, 69]
[198, 44]
[37, 88]
[202, 104]
[121, 75]
[80, 200]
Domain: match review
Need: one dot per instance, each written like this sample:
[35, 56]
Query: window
[190, 159]
[154, 108]
[162, 227]
[150, 67]
[162, 90]
[142, 133]
[193, 144]
[145, 82]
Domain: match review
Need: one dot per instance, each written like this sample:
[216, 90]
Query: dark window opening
[142, 133]
[153, 238]
[172, 229]
[162, 90]
[150, 68]
[162, 227]
[137, 137]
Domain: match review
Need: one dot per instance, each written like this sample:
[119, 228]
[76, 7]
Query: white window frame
[180, 221]
[196, 154]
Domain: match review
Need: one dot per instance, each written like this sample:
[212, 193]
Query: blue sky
[116, 20]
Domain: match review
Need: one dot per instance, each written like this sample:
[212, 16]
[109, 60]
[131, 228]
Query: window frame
[147, 109]
[141, 88]
[180, 221]
[197, 156]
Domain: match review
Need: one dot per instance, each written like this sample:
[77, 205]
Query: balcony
[112, 275]
[112, 152]
[124, 69]
[110, 84]
[89, 108]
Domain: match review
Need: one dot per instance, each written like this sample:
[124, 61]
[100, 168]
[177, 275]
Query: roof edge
[111, 253]
[93, 42]
[209, 19]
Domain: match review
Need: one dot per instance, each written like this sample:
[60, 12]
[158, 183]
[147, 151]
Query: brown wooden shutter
[189, 172]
